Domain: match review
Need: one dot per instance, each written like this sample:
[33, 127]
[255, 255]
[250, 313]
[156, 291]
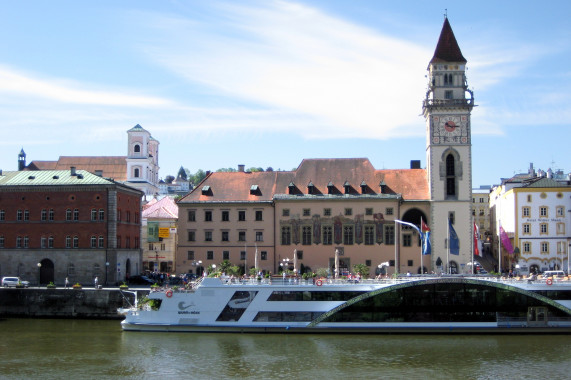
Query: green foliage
[321, 272]
[361, 269]
[234, 270]
[224, 265]
[254, 271]
[197, 177]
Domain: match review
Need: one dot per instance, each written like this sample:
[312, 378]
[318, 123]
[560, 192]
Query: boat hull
[414, 306]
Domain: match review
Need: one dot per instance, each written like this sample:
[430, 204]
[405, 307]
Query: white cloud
[14, 83]
[297, 61]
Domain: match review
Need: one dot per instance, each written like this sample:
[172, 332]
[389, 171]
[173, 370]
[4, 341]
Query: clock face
[450, 129]
[450, 125]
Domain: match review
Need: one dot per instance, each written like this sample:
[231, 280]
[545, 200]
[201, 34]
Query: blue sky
[269, 83]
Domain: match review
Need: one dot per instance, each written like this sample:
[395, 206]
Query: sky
[270, 83]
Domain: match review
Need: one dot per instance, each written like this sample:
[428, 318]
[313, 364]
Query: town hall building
[345, 209]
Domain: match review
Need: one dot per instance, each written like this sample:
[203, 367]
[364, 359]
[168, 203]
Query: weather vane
[445, 12]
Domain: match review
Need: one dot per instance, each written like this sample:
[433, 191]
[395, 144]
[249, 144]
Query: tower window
[448, 94]
[136, 173]
[137, 148]
[450, 176]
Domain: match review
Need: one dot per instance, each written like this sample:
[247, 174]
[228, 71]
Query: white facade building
[534, 212]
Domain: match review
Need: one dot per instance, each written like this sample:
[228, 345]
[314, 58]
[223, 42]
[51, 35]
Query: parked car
[140, 280]
[12, 282]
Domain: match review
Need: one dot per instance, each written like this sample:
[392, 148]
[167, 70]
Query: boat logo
[181, 305]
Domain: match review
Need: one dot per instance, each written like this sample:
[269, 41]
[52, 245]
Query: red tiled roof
[447, 49]
[356, 172]
[165, 208]
[114, 167]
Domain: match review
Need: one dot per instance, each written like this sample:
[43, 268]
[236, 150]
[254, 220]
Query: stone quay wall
[64, 303]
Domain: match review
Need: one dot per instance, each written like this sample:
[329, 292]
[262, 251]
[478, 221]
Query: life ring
[549, 281]
[318, 282]
[168, 293]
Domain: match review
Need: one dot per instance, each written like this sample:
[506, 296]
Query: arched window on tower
[450, 176]
[137, 148]
[136, 173]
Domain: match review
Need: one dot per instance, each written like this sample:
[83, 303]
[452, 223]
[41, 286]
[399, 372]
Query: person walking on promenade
[66, 283]
[96, 282]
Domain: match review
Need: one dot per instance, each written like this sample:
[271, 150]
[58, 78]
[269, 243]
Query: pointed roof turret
[447, 49]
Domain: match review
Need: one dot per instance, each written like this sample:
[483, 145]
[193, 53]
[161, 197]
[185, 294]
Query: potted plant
[77, 286]
[124, 286]
[51, 285]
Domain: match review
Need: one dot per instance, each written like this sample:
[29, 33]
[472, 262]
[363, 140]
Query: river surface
[87, 349]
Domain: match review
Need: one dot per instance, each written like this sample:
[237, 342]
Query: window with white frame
[526, 228]
[544, 247]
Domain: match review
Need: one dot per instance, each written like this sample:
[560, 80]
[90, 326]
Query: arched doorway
[46, 269]
[534, 268]
[128, 268]
[423, 271]
[453, 267]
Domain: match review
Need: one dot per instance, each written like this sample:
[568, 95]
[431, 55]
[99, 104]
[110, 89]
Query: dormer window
[363, 187]
[383, 187]
[255, 190]
[291, 188]
[347, 187]
[206, 190]
[330, 188]
[310, 188]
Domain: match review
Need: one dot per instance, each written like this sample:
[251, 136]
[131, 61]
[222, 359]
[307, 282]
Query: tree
[269, 169]
[361, 269]
[198, 177]
[169, 179]
[224, 265]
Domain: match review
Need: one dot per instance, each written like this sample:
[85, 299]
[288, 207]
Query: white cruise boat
[443, 304]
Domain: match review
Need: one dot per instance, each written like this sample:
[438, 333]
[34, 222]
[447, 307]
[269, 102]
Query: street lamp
[383, 265]
[106, 271]
[39, 273]
[285, 265]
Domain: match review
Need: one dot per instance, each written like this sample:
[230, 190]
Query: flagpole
[499, 247]
[421, 246]
[473, 240]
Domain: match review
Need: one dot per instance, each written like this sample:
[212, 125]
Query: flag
[476, 240]
[426, 247]
[453, 240]
[425, 232]
[506, 240]
[423, 226]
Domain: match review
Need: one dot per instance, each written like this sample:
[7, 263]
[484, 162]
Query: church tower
[447, 110]
[21, 160]
[142, 161]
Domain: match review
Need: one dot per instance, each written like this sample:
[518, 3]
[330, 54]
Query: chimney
[415, 164]
[72, 169]
[241, 168]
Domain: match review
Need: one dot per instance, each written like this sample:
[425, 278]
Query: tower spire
[447, 49]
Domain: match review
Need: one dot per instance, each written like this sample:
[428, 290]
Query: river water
[87, 349]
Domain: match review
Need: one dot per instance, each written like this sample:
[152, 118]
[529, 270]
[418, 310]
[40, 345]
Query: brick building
[68, 223]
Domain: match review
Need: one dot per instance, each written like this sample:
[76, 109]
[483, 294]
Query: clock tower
[447, 110]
